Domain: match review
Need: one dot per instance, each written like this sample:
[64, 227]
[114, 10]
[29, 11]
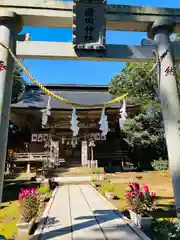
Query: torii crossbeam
[58, 14]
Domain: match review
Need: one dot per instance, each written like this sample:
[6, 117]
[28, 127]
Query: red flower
[128, 194]
[2, 66]
[133, 194]
[140, 194]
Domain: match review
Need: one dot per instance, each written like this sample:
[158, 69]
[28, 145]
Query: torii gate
[158, 22]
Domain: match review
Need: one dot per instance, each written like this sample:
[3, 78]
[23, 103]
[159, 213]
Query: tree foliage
[18, 85]
[136, 80]
[139, 80]
[144, 132]
[145, 136]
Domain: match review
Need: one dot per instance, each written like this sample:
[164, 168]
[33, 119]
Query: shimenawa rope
[59, 98]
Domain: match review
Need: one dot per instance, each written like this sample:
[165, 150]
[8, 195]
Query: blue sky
[84, 72]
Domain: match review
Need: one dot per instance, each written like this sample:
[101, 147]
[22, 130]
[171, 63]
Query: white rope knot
[103, 123]
[46, 112]
[123, 115]
[74, 123]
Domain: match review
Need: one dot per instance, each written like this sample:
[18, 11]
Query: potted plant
[29, 202]
[141, 202]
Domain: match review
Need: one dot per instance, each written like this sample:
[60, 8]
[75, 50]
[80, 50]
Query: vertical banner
[84, 153]
[89, 24]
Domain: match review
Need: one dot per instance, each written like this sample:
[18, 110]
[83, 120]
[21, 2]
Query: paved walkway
[78, 212]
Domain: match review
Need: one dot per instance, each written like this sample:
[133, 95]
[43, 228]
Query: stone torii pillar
[168, 91]
[10, 25]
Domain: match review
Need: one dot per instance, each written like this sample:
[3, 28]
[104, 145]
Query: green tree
[145, 136]
[145, 132]
[18, 85]
[138, 81]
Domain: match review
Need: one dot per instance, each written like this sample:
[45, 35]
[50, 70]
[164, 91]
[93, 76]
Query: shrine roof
[83, 94]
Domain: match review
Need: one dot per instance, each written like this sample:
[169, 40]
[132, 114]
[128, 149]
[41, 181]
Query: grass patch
[118, 190]
[44, 188]
[9, 216]
[9, 212]
[158, 181]
[81, 171]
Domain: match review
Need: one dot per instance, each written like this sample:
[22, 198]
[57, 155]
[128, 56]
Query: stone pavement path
[78, 212]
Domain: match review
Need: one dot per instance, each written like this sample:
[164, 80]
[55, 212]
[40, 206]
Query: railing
[24, 157]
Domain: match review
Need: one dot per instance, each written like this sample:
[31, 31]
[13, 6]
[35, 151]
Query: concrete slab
[78, 212]
[84, 224]
[112, 225]
[58, 224]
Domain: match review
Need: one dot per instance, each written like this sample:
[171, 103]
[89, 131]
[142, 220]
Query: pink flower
[33, 190]
[26, 193]
[146, 188]
[20, 197]
[135, 187]
[153, 194]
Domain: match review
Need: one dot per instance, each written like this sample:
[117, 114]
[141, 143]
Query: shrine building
[30, 136]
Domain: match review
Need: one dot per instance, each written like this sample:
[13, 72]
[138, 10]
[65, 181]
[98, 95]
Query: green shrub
[160, 165]
[166, 229]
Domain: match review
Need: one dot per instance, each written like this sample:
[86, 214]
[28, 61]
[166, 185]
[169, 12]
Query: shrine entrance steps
[78, 212]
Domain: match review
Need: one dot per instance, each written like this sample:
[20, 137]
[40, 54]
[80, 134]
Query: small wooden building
[32, 137]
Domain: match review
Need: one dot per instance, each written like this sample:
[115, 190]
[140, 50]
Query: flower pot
[25, 227]
[142, 222]
[109, 195]
[134, 217]
[145, 223]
